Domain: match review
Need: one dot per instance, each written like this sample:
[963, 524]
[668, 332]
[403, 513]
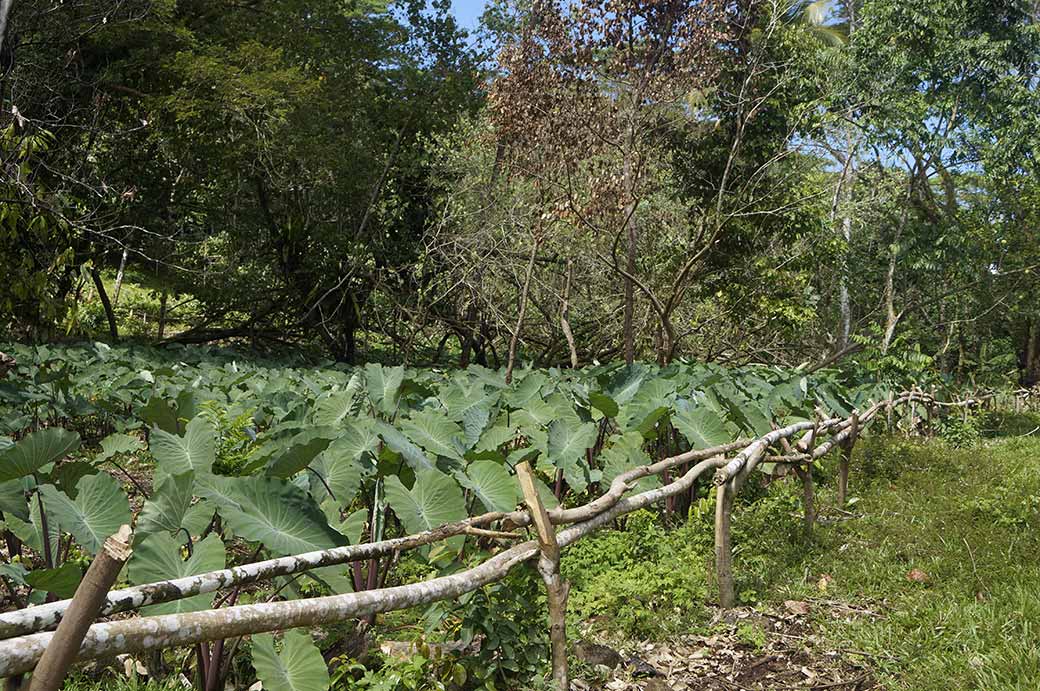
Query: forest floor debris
[748, 650]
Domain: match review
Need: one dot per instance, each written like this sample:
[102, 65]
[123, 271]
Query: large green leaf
[342, 465]
[623, 453]
[494, 486]
[434, 500]
[97, 512]
[170, 508]
[35, 450]
[433, 431]
[194, 452]
[303, 449]
[61, 581]
[159, 413]
[603, 403]
[298, 667]
[118, 443]
[31, 532]
[279, 515]
[12, 499]
[702, 427]
[568, 441]
[334, 409]
[413, 455]
[383, 385]
[158, 558]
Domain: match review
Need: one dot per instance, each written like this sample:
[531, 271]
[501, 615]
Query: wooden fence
[26, 633]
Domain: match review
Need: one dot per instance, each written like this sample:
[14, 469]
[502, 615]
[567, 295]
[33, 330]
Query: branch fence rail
[26, 634]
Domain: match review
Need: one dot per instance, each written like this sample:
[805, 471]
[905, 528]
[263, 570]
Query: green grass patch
[970, 520]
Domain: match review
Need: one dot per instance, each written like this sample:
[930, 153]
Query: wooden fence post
[846, 457]
[723, 545]
[64, 647]
[549, 568]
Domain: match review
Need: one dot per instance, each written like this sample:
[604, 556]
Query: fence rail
[26, 636]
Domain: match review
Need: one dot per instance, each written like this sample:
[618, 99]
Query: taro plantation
[432, 345]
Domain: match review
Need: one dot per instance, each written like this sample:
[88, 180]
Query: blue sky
[468, 11]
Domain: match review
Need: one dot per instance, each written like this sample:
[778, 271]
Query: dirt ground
[749, 651]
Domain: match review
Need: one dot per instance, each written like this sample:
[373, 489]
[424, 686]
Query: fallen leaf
[797, 606]
[917, 576]
[825, 580]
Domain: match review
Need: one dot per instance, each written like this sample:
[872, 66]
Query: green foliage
[298, 666]
[641, 580]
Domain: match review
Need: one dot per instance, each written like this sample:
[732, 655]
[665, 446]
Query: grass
[970, 520]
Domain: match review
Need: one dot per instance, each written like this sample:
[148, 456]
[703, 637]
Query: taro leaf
[31, 532]
[545, 494]
[492, 483]
[603, 403]
[14, 573]
[342, 468]
[67, 475]
[626, 382]
[186, 408]
[702, 427]
[527, 388]
[298, 667]
[433, 431]
[474, 422]
[117, 443]
[397, 442]
[434, 500]
[61, 581]
[383, 383]
[350, 527]
[97, 512]
[625, 452]
[304, 449]
[334, 409]
[158, 413]
[495, 436]
[12, 499]
[166, 510]
[279, 515]
[35, 450]
[194, 452]
[158, 558]
[568, 441]
[648, 425]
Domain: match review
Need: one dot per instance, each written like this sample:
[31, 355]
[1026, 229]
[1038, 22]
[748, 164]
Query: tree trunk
[119, 280]
[565, 323]
[631, 253]
[515, 340]
[1030, 372]
[113, 330]
[162, 313]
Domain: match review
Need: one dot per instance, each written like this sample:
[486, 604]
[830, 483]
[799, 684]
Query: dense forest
[731, 182]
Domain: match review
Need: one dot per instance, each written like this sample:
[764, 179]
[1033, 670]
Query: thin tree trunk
[891, 316]
[565, 323]
[113, 330]
[119, 280]
[5, 11]
[162, 313]
[631, 254]
[515, 339]
[1030, 373]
